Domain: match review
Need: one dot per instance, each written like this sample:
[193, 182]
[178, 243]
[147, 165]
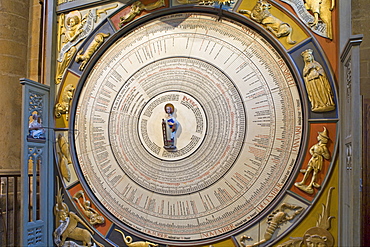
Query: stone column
[14, 22]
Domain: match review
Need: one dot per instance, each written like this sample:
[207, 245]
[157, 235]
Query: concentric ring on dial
[208, 141]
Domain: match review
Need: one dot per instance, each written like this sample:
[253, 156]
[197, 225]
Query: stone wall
[360, 25]
[14, 19]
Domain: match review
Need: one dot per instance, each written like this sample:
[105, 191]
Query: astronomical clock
[195, 123]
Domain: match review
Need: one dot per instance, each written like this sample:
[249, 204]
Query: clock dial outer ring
[203, 234]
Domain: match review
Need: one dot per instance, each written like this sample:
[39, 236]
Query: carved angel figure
[71, 27]
[321, 10]
[317, 84]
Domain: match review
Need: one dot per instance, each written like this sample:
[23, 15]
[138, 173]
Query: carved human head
[307, 55]
[169, 108]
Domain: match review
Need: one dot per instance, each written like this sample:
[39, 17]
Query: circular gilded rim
[237, 114]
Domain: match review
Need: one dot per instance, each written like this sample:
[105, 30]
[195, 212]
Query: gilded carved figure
[129, 243]
[68, 229]
[94, 45]
[85, 206]
[319, 152]
[261, 14]
[63, 106]
[136, 8]
[319, 235]
[276, 218]
[64, 157]
[169, 127]
[321, 10]
[71, 27]
[318, 87]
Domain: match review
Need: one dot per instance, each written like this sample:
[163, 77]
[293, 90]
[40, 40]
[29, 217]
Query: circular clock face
[187, 128]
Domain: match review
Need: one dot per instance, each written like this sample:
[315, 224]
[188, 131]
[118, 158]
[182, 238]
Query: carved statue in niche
[319, 152]
[90, 213]
[317, 236]
[261, 14]
[136, 8]
[68, 228]
[94, 45]
[276, 218]
[63, 106]
[64, 157]
[35, 127]
[321, 10]
[169, 128]
[129, 243]
[317, 84]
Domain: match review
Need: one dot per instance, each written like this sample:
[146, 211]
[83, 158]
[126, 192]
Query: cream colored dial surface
[236, 139]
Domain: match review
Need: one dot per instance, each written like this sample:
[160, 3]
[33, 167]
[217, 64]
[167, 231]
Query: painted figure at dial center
[169, 127]
[317, 84]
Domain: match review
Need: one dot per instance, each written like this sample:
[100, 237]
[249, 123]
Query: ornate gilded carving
[319, 235]
[319, 152]
[63, 106]
[67, 226]
[321, 10]
[94, 45]
[136, 8]
[64, 157]
[261, 14]
[98, 12]
[71, 31]
[129, 243]
[317, 84]
[73, 28]
[276, 218]
[85, 206]
[316, 14]
[204, 2]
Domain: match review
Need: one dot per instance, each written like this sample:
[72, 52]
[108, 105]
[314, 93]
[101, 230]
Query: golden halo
[169, 105]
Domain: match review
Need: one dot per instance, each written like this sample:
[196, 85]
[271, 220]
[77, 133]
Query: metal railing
[10, 207]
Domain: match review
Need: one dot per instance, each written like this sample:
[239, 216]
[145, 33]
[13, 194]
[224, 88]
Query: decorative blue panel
[36, 169]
